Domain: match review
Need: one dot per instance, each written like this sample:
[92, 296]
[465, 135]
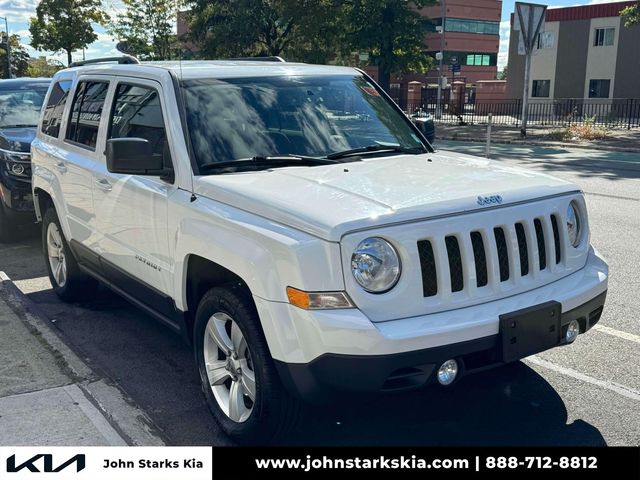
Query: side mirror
[426, 126]
[134, 156]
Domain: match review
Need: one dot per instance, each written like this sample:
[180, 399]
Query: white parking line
[623, 390]
[618, 333]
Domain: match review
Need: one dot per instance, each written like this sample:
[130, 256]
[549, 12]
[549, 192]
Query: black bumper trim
[323, 378]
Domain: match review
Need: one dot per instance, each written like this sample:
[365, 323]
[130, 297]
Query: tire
[73, 285]
[7, 229]
[273, 412]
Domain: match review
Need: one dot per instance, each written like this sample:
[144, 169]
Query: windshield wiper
[376, 147]
[20, 125]
[267, 161]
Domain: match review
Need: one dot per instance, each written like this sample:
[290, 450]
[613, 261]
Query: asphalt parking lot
[585, 394]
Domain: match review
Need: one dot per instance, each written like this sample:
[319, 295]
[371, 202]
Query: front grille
[428, 266]
[480, 259]
[469, 253]
[503, 253]
[455, 264]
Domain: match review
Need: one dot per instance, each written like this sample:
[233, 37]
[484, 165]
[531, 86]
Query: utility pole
[441, 59]
[7, 47]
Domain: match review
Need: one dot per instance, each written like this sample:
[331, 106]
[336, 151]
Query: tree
[631, 15]
[392, 32]
[303, 30]
[43, 67]
[147, 28]
[502, 75]
[65, 25]
[19, 57]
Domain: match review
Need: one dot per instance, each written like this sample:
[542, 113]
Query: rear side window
[86, 111]
[137, 114]
[52, 117]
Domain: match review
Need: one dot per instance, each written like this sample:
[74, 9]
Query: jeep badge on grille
[490, 200]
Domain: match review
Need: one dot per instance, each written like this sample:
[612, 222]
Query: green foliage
[631, 15]
[65, 25]
[316, 31]
[502, 75]
[146, 27]
[391, 31]
[43, 67]
[19, 57]
[299, 29]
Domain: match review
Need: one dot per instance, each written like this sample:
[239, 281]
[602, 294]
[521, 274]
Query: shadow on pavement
[512, 405]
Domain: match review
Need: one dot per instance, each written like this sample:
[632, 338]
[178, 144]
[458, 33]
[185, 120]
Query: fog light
[447, 372]
[17, 169]
[572, 331]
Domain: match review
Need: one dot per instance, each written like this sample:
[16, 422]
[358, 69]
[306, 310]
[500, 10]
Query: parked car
[424, 121]
[295, 226]
[20, 103]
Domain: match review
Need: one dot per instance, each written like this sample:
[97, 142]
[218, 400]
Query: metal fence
[615, 113]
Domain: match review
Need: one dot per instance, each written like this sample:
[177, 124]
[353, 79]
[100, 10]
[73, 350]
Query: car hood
[17, 139]
[329, 201]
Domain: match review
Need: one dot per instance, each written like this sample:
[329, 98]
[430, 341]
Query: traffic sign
[453, 60]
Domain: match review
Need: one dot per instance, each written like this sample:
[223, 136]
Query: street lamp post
[8, 47]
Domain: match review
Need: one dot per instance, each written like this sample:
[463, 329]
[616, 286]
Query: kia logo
[48, 467]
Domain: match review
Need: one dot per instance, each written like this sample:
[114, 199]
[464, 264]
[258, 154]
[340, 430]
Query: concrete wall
[627, 83]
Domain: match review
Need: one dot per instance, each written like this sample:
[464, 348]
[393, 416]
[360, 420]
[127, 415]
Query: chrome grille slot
[556, 237]
[480, 259]
[428, 266]
[503, 253]
[524, 251]
[542, 251]
[455, 264]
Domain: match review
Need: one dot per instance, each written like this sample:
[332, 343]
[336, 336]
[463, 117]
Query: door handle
[62, 168]
[103, 184]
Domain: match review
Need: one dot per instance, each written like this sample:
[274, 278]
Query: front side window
[233, 119]
[604, 37]
[52, 116]
[137, 114]
[540, 88]
[86, 111]
[599, 88]
[20, 105]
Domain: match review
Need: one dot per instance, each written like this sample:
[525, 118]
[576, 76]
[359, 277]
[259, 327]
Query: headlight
[574, 224]
[375, 265]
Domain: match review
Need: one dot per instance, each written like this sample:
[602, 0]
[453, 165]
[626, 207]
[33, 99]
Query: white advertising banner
[106, 463]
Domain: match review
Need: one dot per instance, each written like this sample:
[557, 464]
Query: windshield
[233, 119]
[20, 106]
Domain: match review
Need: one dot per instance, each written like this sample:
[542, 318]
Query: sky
[18, 13]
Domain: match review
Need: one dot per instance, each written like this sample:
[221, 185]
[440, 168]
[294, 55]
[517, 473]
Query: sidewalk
[620, 140]
[48, 395]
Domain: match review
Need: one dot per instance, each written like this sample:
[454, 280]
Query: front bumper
[17, 199]
[317, 352]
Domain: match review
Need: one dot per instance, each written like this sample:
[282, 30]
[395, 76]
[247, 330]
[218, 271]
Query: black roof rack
[257, 59]
[122, 59]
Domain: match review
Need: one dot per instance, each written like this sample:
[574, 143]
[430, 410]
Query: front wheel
[240, 382]
[69, 283]
[7, 229]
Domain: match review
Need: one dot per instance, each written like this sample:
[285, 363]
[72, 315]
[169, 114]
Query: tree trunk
[68, 57]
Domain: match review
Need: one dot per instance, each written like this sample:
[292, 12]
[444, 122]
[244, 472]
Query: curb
[542, 143]
[128, 420]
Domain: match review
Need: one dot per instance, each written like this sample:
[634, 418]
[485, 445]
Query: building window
[540, 88]
[472, 26]
[604, 37]
[545, 40]
[599, 88]
[478, 59]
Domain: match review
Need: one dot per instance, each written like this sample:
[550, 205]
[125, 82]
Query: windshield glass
[20, 106]
[233, 119]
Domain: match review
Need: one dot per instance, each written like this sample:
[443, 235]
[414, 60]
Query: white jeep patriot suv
[295, 226]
